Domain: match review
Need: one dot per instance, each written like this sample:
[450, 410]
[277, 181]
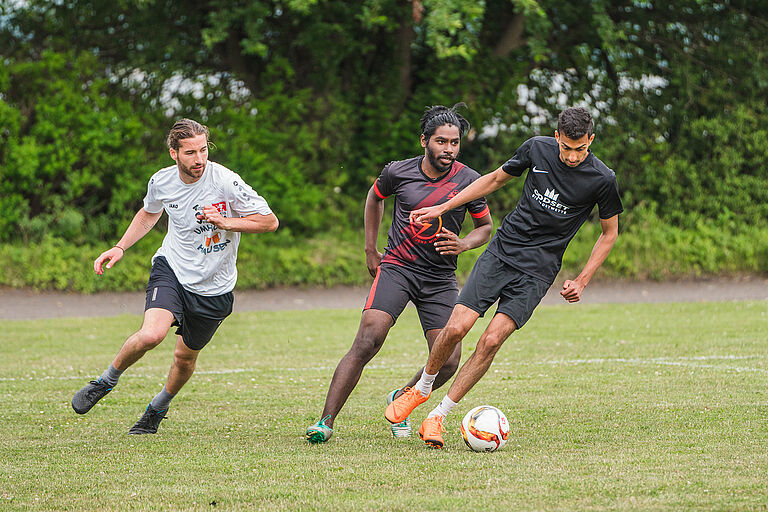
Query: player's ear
[423, 141]
[591, 138]
[557, 136]
[173, 154]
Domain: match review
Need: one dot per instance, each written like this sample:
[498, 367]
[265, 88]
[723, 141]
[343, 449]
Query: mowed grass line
[612, 407]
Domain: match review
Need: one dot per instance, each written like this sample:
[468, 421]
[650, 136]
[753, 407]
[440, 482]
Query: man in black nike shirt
[564, 183]
[419, 263]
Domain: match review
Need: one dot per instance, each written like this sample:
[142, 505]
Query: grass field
[612, 407]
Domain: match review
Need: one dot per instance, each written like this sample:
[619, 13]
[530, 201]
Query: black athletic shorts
[394, 286]
[518, 293]
[196, 316]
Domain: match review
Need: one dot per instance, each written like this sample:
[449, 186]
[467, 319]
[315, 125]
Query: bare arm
[450, 243]
[374, 212]
[572, 289]
[254, 223]
[479, 188]
[141, 224]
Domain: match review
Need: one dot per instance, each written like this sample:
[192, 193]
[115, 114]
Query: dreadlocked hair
[439, 115]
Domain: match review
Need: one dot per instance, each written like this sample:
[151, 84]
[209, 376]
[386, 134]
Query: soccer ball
[485, 429]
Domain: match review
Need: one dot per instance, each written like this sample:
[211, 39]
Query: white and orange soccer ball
[485, 429]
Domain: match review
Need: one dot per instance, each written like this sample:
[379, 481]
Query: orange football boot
[431, 431]
[402, 406]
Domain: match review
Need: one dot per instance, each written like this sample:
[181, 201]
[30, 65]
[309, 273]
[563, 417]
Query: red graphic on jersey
[401, 253]
[222, 207]
[427, 231]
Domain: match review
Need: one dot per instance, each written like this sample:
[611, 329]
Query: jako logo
[551, 194]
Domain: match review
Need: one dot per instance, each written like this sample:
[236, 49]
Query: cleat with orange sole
[401, 407]
[431, 431]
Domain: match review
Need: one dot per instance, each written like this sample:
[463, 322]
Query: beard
[437, 164]
[189, 171]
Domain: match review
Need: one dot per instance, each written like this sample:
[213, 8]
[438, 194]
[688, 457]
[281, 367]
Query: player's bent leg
[461, 321]
[494, 336]
[153, 330]
[184, 362]
[374, 326]
[449, 367]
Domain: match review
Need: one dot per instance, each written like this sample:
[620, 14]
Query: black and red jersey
[412, 245]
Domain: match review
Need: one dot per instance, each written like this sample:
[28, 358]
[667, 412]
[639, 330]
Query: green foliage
[308, 99]
[73, 150]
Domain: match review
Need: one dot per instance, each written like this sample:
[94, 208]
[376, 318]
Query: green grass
[612, 407]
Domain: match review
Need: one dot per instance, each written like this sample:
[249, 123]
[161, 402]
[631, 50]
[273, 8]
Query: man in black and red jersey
[419, 263]
[564, 183]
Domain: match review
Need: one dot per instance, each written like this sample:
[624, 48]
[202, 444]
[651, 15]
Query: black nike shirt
[556, 201]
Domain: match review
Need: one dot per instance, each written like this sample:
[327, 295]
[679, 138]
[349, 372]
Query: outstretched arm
[572, 289]
[141, 224]
[479, 188]
[374, 211]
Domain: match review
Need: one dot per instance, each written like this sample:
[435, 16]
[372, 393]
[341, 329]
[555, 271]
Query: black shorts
[196, 316]
[394, 286]
[518, 293]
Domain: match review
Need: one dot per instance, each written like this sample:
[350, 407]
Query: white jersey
[202, 256]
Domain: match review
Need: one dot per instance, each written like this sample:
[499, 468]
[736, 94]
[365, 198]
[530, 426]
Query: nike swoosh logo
[539, 170]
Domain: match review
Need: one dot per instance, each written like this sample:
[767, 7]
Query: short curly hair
[575, 122]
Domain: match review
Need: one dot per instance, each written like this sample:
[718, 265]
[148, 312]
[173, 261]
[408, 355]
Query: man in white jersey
[193, 271]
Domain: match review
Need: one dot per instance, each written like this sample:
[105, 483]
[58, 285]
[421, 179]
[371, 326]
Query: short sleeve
[608, 200]
[151, 203]
[521, 161]
[383, 186]
[244, 200]
[478, 208]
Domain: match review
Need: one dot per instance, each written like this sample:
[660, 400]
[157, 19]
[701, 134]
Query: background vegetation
[307, 99]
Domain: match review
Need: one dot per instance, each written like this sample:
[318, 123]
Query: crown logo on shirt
[551, 194]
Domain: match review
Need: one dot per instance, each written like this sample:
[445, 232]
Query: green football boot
[319, 432]
[402, 429]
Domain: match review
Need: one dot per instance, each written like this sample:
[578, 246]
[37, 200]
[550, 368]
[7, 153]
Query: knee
[183, 361]
[455, 332]
[149, 338]
[489, 344]
[366, 345]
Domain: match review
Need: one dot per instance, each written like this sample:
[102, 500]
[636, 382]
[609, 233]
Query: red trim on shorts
[481, 214]
[372, 293]
[376, 189]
